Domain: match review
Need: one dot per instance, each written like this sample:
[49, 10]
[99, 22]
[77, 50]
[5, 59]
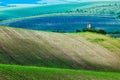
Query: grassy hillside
[63, 50]
[84, 8]
[108, 42]
[12, 72]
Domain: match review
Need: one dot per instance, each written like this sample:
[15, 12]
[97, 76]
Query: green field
[59, 50]
[12, 72]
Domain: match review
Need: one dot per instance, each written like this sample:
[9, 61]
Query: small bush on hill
[78, 30]
[101, 31]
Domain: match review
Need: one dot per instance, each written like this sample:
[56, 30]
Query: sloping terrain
[107, 42]
[38, 10]
[12, 72]
[63, 50]
[83, 8]
[59, 56]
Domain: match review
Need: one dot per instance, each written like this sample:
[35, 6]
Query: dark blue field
[67, 23]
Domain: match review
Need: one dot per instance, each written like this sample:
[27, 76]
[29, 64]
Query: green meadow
[13, 72]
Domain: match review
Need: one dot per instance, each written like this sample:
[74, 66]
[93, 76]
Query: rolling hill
[83, 8]
[37, 10]
[59, 50]
[13, 72]
[48, 55]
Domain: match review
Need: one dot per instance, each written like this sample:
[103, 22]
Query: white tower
[89, 26]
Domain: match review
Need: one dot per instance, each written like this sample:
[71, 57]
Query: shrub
[90, 29]
[78, 30]
[101, 31]
[85, 29]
